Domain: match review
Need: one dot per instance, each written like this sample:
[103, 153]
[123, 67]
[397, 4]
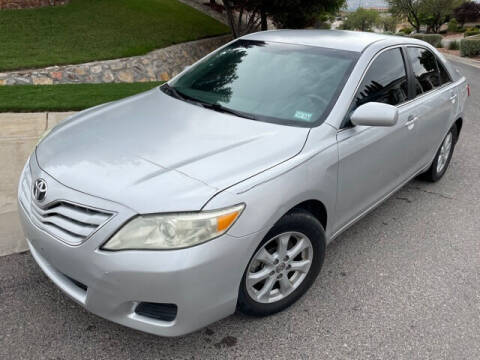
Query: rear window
[274, 82]
[428, 76]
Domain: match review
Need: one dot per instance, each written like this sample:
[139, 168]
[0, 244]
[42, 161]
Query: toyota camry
[220, 189]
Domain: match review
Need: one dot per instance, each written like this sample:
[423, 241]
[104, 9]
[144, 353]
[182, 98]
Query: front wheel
[284, 266]
[442, 158]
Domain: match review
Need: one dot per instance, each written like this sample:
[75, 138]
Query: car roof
[335, 39]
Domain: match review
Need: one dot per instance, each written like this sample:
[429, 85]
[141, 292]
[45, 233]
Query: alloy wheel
[279, 267]
[444, 154]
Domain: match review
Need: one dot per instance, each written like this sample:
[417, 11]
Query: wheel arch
[459, 124]
[316, 208]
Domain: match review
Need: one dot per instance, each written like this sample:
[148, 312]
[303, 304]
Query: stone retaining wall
[18, 136]
[158, 65]
[27, 4]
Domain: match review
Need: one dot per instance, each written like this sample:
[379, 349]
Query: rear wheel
[284, 266]
[442, 158]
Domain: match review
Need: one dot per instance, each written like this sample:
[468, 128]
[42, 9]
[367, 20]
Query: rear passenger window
[425, 69]
[385, 80]
[444, 76]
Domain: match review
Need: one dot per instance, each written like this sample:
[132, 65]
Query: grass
[87, 30]
[65, 97]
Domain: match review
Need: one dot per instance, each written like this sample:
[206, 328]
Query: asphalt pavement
[403, 283]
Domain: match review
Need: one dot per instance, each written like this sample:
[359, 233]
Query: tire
[440, 163]
[303, 231]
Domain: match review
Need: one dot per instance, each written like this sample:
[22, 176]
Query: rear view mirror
[375, 114]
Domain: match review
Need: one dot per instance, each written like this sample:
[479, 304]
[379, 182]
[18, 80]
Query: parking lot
[403, 283]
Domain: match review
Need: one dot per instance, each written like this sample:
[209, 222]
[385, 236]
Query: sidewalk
[463, 60]
[18, 135]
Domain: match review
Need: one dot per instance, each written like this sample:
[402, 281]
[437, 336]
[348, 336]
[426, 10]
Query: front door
[373, 161]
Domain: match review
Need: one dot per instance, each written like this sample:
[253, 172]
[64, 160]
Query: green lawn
[87, 30]
[65, 97]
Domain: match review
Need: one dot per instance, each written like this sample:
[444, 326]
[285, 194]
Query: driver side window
[385, 81]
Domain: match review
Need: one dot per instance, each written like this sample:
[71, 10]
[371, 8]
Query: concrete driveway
[404, 283]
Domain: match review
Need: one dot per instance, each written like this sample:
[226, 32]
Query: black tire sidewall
[299, 221]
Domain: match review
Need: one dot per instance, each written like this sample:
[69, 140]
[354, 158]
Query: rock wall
[28, 4]
[158, 65]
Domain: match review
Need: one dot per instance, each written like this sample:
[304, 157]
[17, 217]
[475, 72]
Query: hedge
[453, 45]
[453, 25]
[406, 30]
[471, 33]
[470, 46]
[432, 39]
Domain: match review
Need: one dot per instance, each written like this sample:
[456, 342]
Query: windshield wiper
[216, 107]
[172, 91]
[221, 108]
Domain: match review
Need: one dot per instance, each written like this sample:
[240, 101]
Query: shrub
[471, 32]
[442, 32]
[406, 30]
[322, 25]
[470, 46]
[387, 33]
[452, 25]
[453, 45]
[461, 30]
[432, 39]
[400, 34]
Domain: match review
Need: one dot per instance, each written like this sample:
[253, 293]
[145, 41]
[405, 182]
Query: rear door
[433, 106]
[373, 161]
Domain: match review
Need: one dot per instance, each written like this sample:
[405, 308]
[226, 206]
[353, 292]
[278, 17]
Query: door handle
[452, 98]
[411, 122]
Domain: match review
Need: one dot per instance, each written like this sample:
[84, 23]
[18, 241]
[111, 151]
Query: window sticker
[303, 115]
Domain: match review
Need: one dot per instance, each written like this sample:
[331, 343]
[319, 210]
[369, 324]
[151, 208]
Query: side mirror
[375, 114]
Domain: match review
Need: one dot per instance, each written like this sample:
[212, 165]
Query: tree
[297, 14]
[409, 9]
[362, 19]
[469, 11]
[434, 13]
[245, 16]
[389, 23]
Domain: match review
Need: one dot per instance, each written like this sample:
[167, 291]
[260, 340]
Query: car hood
[152, 152]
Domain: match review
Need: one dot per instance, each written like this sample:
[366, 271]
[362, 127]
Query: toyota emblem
[40, 189]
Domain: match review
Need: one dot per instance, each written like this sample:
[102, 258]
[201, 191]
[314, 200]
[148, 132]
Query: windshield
[269, 81]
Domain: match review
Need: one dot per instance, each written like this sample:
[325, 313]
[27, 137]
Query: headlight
[173, 231]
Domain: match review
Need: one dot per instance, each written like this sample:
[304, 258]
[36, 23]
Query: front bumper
[202, 281]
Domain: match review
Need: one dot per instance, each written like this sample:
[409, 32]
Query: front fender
[311, 175]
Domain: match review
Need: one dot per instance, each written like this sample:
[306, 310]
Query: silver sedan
[221, 189]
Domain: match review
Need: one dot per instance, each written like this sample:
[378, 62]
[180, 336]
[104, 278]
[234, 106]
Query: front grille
[69, 222]
[158, 311]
